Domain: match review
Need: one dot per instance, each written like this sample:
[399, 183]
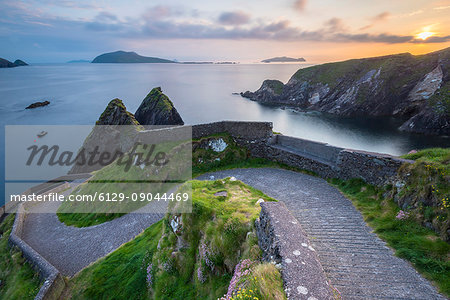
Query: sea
[79, 92]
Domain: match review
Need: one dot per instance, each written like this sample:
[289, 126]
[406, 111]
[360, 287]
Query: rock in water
[116, 114]
[157, 109]
[38, 104]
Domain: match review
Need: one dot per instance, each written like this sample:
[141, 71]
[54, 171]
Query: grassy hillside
[425, 189]
[195, 261]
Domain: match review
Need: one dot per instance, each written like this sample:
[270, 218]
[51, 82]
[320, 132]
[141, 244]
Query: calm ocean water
[201, 93]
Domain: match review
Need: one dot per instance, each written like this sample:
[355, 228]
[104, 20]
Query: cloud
[382, 16]
[106, 16]
[105, 21]
[335, 25]
[300, 5]
[234, 18]
[159, 12]
[105, 31]
[417, 12]
[442, 7]
[377, 19]
[432, 40]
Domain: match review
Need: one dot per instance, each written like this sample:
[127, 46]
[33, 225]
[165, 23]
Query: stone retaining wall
[323, 159]
[373, 168]
[283, 241]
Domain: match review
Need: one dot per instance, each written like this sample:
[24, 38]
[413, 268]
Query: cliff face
[414, 88]
[157, 109]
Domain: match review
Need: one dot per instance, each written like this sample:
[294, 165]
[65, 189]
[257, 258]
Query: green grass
[18, 280]
[264, 282]
[276, 85]
[225, 225]
[121, 274]
[432, 155]
[411, 241]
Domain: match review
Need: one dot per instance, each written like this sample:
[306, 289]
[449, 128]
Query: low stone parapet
[283, 242]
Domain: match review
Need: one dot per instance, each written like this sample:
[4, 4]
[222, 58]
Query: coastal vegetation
[424, 190]
[18, 281]
[207, 254]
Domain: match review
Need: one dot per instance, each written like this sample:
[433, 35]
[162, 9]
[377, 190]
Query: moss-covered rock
[116, 114]
[157, 109]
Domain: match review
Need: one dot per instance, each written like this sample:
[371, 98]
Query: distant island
[283, 59]
[79, 61]
[4, 63]
[128, 57]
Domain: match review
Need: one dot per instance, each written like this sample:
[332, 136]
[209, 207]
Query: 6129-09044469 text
[101, 197]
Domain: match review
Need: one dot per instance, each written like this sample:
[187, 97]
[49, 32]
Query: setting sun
[425, 35]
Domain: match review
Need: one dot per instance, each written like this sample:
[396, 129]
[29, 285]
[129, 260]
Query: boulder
[157, 109]
[37, 104]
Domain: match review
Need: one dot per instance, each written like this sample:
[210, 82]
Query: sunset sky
[245, 31]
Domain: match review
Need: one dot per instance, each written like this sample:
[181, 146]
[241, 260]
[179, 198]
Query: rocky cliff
[157, 109]
[4, 63]
[413, 88]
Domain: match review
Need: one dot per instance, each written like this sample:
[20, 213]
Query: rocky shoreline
[414, 88]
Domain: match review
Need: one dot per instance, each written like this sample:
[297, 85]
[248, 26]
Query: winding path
[70, 249]
[355, 260]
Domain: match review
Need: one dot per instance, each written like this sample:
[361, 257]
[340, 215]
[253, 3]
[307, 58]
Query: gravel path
[356, 261]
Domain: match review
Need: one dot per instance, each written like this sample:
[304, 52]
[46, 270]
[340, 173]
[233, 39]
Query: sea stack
[116, 114]
[157, 109]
